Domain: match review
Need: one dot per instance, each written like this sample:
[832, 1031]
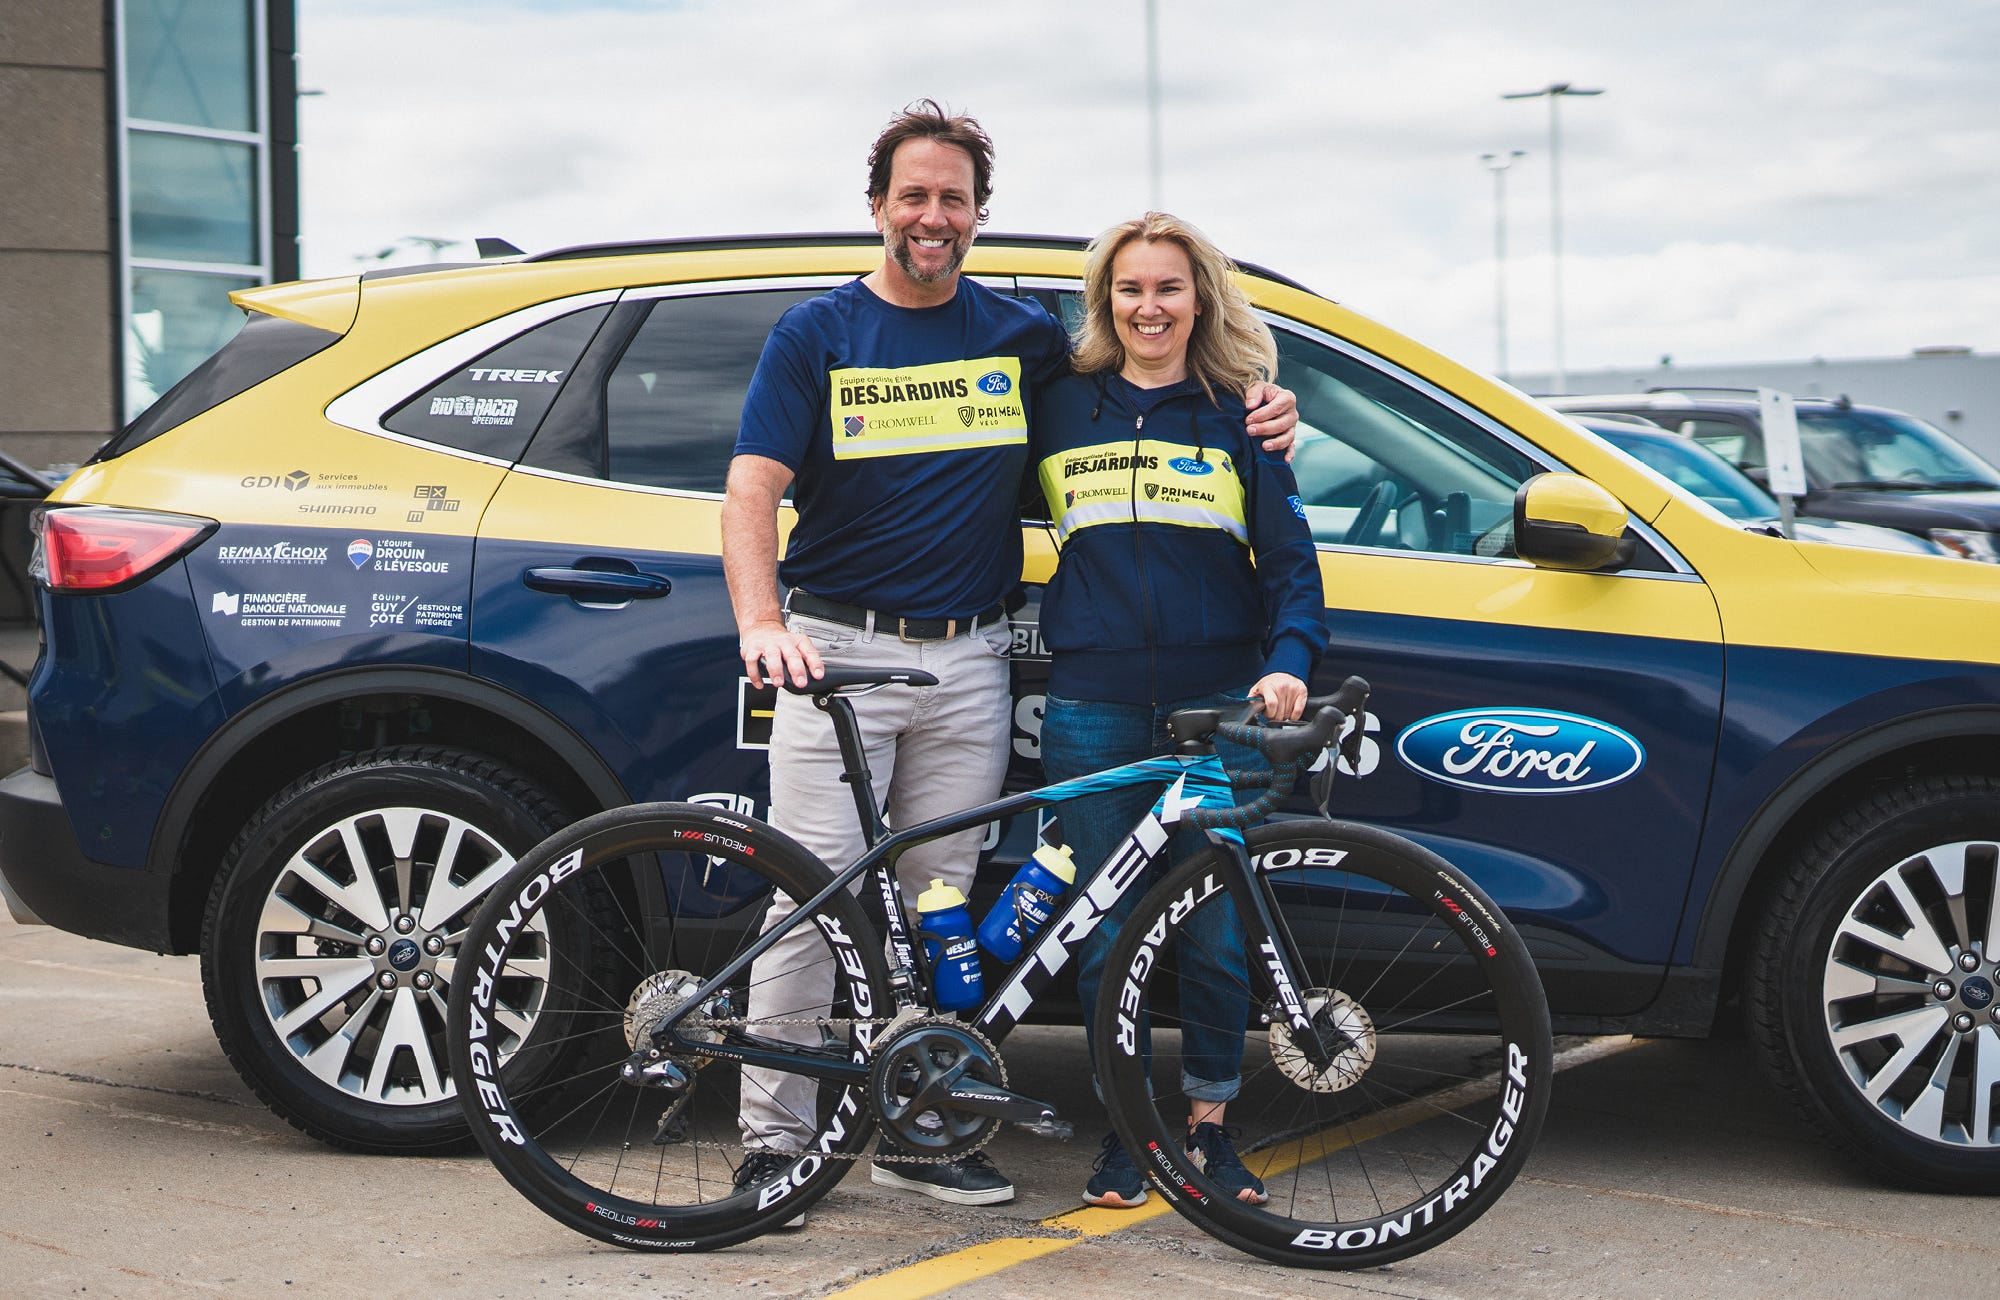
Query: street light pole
[1153, 103]
[1555, 91]
[1498, 164]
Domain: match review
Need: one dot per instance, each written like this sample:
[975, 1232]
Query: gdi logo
[292, 482]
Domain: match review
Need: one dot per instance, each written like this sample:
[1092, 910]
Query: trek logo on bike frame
[1106, 888]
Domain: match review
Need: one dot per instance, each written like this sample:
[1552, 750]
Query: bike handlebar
[1283, 745]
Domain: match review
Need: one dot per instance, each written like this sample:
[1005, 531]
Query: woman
[1160, 501]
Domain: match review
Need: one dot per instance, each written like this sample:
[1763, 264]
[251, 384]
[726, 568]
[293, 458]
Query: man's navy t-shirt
[907, 430]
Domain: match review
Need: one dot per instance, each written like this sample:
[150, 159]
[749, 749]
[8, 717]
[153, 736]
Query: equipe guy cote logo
[1520, 751]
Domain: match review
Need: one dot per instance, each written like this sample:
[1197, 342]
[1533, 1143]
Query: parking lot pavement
[133, 1163]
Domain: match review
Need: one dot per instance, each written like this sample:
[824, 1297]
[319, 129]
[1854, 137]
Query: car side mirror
[1564, 521]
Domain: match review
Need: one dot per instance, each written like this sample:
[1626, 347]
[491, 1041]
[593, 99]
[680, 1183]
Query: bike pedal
[1059, 1129]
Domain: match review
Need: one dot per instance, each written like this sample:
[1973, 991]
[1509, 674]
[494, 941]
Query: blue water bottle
[1028, 902]
[947, 927]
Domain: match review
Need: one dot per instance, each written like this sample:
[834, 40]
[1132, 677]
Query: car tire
[1872, 991]
[327, 988]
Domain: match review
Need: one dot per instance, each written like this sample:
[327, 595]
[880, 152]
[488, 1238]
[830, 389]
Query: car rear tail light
[104, 548]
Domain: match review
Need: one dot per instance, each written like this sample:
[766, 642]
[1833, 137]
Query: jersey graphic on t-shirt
[1150, 482]
[949, 406]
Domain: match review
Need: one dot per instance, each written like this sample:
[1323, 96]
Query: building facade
[149, 167]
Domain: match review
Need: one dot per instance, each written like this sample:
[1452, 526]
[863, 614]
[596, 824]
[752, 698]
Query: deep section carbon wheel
[1431, 1014]
[642, 1143]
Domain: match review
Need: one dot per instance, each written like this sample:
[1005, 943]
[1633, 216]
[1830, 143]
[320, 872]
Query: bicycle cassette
[657, 998]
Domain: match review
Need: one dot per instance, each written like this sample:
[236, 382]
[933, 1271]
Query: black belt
[909, 629]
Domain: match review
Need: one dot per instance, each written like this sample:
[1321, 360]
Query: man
[906, 547]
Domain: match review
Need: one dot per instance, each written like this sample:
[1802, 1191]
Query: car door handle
[598, 584]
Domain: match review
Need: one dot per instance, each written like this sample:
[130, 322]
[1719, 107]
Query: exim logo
[1520, 751]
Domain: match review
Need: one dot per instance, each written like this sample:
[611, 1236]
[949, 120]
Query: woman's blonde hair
[1228, 348]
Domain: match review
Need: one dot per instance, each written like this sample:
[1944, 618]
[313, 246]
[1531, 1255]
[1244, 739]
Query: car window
[492, 404]
[1857, 448]
[673, 401]
[1381, 464]
[1736, 443]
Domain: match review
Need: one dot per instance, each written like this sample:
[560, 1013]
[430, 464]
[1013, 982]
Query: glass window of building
[195, 104]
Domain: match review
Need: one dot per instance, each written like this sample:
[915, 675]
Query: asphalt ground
[134, 1163]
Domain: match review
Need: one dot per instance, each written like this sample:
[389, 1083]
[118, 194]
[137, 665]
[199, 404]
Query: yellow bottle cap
[939, 897]
[1058, 861]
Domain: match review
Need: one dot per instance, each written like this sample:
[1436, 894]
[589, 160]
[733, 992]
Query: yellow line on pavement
[935, 1276]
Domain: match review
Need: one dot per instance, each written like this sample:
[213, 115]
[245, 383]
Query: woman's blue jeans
[1084, 736]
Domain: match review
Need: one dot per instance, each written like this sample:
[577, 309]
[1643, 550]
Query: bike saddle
[854, 677]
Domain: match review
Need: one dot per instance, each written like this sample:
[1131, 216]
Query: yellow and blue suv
[424, 564]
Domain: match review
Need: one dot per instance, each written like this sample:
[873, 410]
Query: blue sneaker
[1214, 1153]
[1115, 1182]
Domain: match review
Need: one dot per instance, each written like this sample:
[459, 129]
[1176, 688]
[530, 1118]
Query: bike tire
[665, 888]
[1429, 1127]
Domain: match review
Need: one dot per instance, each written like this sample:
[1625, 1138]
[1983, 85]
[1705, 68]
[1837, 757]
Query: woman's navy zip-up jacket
[1161, 500]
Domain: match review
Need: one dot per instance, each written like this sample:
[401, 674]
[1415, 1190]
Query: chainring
[1345, 1029]
[913, 1069]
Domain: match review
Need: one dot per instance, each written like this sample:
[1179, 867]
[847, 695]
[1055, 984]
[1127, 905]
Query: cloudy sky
[1761, 180]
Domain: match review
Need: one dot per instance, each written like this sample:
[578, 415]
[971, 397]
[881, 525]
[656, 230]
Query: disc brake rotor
[1345, 1031]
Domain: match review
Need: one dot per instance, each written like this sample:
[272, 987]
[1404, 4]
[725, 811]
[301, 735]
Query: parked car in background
[1688, 464]
[21, 492]
[1867, 464]
[424, 564]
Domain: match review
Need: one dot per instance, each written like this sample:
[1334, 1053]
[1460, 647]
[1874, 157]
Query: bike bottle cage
[859, 678]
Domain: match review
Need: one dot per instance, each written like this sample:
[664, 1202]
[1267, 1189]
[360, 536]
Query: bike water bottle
[1028, 902]
[949, 943]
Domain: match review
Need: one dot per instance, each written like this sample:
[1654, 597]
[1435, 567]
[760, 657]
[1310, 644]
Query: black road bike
[618, 957]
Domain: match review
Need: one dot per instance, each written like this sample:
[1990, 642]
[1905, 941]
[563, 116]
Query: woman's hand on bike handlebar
[1284, 696]
[776, 649]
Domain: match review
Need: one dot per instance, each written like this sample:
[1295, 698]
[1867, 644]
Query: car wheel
[329, 942]
[1873, 992]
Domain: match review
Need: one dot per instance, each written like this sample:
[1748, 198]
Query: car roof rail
[835, 239]
[1703, 388]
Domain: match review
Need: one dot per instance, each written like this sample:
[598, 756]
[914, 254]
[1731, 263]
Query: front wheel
[699, 1152]
[1875, 994]
[1425, 999]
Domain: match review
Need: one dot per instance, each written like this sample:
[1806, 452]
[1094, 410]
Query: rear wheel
[658, 1161]
[332, 934]
[1426, 1000]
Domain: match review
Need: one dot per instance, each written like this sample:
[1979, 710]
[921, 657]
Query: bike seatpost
[854, 764]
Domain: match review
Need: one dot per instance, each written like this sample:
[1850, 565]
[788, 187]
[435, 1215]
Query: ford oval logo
[1188, 465]
[1520, 751]
[995, 383]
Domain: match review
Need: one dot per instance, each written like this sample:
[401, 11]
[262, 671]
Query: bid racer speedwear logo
[908, 410]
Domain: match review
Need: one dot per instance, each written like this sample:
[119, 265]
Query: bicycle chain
[908, 1015]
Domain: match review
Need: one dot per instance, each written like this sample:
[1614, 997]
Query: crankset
[938, 1088]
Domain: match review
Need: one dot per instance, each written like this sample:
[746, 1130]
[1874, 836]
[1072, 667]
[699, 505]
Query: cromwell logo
[1520, 751]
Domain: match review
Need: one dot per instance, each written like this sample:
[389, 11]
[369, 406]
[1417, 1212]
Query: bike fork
[1270, 945]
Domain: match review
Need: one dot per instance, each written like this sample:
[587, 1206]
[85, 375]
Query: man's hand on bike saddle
[773, 649]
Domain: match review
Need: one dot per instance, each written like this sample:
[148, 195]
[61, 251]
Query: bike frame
[1193, 781]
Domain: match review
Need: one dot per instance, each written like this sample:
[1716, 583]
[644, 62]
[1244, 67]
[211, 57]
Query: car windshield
[1881, 449]
[1688, 464]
